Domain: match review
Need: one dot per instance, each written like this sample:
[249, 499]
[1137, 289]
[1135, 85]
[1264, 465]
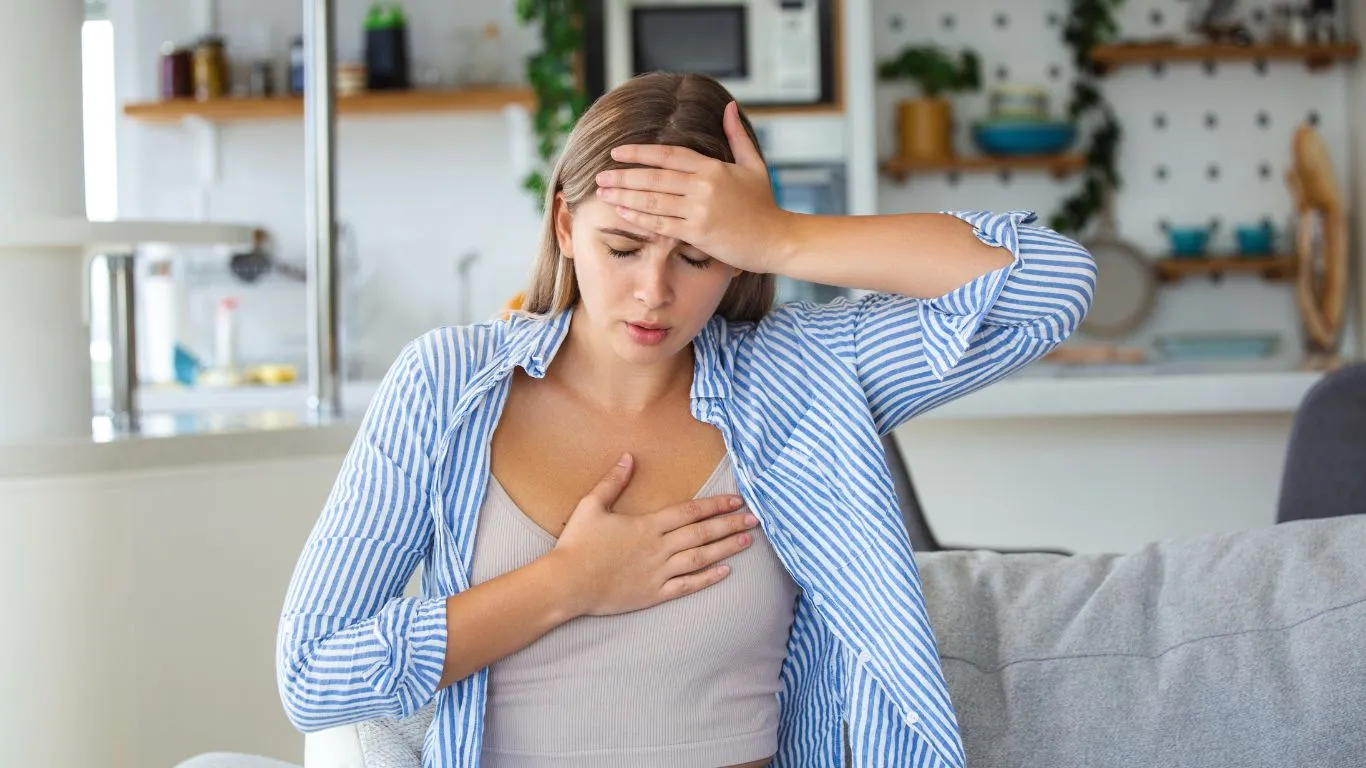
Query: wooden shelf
[1314, 56]
[1173, 269]
[370, 103]
[1059, 165]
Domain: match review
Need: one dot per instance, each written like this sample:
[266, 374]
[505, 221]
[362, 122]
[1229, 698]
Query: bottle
[386, 48]
[225, 335]
[296, 65]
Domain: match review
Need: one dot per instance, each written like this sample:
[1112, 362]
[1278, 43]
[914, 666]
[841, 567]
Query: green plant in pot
[925, 124]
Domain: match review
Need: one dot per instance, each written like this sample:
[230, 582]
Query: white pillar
[44, 344]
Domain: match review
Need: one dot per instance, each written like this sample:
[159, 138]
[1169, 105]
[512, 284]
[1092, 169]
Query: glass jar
[210, 69]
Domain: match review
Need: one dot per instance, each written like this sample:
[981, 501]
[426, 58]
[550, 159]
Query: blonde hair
[683, 110]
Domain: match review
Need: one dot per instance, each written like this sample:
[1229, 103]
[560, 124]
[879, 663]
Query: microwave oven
[765, 52]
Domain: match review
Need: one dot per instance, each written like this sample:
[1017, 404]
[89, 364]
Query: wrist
[784, 241]
[564, 585]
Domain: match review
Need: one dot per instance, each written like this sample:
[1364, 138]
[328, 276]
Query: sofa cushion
[1240, 649]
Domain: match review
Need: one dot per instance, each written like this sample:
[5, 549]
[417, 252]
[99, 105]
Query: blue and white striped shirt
[800, 397]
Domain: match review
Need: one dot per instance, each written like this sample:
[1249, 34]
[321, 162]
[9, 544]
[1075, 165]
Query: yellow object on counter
[272, 374]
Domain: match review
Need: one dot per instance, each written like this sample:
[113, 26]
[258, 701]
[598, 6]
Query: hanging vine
[560, 98]
[1091, 23]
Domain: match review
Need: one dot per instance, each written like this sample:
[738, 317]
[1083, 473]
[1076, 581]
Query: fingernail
[625, 460]
[745, 539]
[735, 501]
[751, 519]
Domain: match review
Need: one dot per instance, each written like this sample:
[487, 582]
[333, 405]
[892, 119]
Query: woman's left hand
[725, 210]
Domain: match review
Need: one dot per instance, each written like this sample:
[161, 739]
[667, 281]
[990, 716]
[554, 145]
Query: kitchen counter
[206, 426]
[183, 440]
[1048, 390]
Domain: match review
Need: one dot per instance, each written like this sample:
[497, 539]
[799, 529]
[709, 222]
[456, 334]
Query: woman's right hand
[620, 563]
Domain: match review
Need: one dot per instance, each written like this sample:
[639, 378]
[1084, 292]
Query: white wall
[418, 191]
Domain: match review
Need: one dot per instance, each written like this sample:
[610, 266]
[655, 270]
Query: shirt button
[816, 599]
[912, 718]
[865, 657]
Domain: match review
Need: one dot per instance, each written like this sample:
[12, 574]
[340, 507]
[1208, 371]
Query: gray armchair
[1325, 463]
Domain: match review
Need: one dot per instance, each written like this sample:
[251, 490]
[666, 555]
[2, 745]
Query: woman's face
[647, 295]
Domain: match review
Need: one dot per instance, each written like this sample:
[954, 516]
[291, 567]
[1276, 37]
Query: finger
[609, 488]
[648, 180]
[710, 530]
[699, 558]
[741, 147]
[696, 510]
[645, 202]
[668, 226]
[661, 156]
[694, 582]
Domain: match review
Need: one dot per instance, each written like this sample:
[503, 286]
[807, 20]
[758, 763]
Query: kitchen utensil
[1321, 244]
[1126, 283]
[1216, 346]
[1255, 239]
[1023, 137]
[1190, 241]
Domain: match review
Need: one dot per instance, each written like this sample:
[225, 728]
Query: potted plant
[925, 124]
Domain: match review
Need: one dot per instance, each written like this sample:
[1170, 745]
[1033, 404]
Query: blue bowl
[1023, 137]
[1189, 241]
[1255, 240]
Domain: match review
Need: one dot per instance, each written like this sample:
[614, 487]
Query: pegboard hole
[1160, 121]
[948, 21]
[1161, 173]
[1002, 21]
[895, 22]
[1212, 172]
[1211, 120]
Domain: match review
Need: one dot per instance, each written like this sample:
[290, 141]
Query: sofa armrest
[334, 748]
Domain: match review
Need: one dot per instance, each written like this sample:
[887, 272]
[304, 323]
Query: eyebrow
[624, 233]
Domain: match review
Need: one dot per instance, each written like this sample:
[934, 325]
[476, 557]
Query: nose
[653, 287]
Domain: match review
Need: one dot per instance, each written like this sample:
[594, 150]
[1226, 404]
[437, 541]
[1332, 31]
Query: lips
[651, 326]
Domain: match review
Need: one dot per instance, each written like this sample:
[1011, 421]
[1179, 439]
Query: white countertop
[1049, 391]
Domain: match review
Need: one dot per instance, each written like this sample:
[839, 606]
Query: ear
[564, 226]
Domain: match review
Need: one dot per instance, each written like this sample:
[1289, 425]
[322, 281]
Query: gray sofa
[1244, 649]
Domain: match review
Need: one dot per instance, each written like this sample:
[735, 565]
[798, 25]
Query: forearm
[921, 255]
[504, 615]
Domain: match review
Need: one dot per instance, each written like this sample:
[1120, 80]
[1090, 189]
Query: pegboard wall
[1201, 143]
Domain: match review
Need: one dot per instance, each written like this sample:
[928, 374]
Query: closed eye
[695, 263]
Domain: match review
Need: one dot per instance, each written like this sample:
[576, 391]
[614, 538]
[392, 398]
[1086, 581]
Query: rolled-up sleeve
[350, 646]
[911, 355]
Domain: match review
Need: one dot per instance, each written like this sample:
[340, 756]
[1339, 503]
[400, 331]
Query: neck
[589, 366]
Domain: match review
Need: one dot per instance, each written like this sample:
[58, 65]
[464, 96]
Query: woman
[582, 480]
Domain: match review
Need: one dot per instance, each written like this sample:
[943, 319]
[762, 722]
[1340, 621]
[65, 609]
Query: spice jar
[210, 69]
[174, 72]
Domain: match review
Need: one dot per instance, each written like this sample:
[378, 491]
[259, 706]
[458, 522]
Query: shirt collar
[533, 344]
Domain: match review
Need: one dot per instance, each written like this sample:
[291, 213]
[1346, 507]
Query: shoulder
[446, 359]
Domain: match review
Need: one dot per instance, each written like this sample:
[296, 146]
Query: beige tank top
[691, 682]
